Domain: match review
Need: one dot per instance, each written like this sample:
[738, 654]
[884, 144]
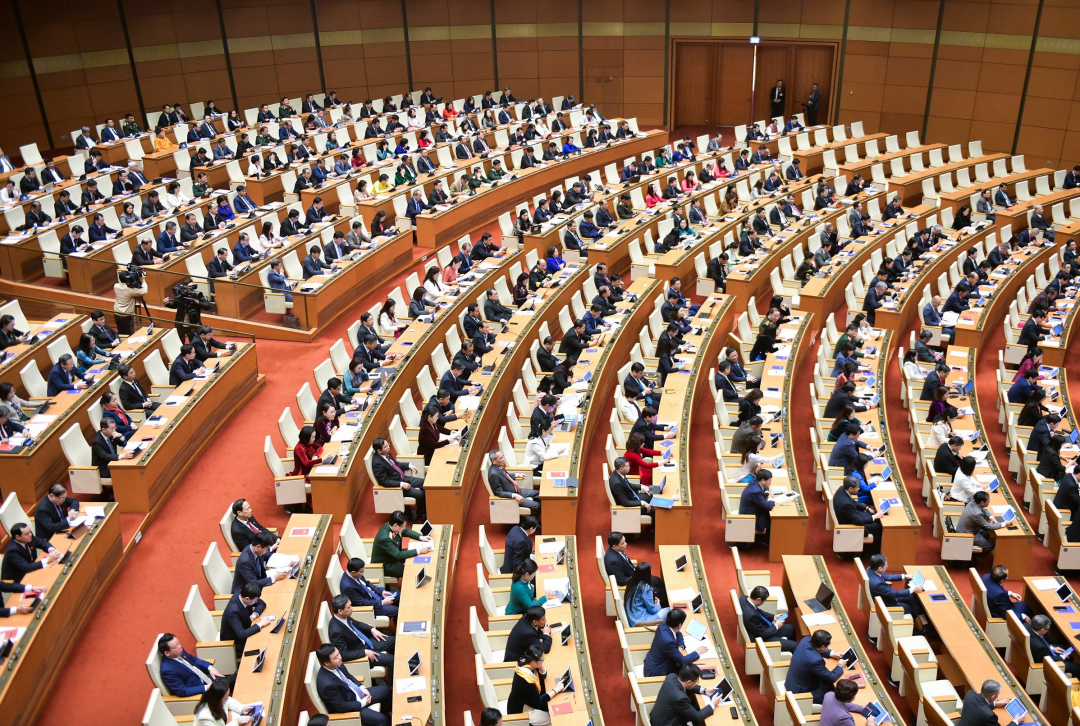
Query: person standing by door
[776, 99]
[813, 103]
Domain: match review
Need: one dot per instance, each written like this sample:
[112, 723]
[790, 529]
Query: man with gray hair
[893, 209]
[978, 708]
[873, 301]
[625, 492]
[975, 520]
[1038, 221]
[1038, 629]
[84, 140]
[504, 484]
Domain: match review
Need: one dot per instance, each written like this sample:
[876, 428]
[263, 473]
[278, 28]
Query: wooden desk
[434, 230]
[32, 471]
[864, 166]
[680, 399]
[426, 604]
[967, 657]
[1016, 216]
[789, 519]
[803, 575]
[1013, 547]
[1047, 602]
[959, 197]
[693, 577]
[603, 363]
[182, 427]
[909, 186]
[454, 470]
[811, 160]
[823, 294]
[15, 358]
[899, 314]
[280, 683]
[583, 701]
[1004, 283]
[335, 488]
[71, 594]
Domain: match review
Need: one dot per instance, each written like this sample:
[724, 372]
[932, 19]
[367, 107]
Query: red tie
[512, 480]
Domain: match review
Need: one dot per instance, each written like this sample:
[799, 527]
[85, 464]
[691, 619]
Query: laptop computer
[822, 601]
[658, 488]
[680, 563]
[422, 578]
[414, 663]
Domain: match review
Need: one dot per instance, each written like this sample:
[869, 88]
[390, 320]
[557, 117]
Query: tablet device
[426, 528]
[697, 603]
[78, 531]
[917, 580]
[968, 386]
[561, 559]
[886, 473]
[422, 578]
[414, 663]
[1064, 592]
[823, 600]
[724, 689]
[851, 658]
[885, 506]
[680, 563]
[259, 661]
[695, 629]
[280, 623]
[567, 680]
[1074, 435]
[565, 635]
[1016, 709]
[874, 709]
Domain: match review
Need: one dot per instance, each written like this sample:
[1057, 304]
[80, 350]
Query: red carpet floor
[105, 672]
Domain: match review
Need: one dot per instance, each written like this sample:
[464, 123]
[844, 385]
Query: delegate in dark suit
[665, 656]
[180, 680]
[808, 673]
[625, 493]
[362, 593]
[20, 559]
[977, 711]
[759, 624]
[546, 359]
[521, 637]
[674, 707]
[251, 567]
[244, 531]
[352, 638]
[236, 622]
[517, 550]
[1041, 648]
[852, 511]
[340, 698]
[51, 518]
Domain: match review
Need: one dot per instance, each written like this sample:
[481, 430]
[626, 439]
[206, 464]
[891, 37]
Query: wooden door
[813, 64]
[734, 74]
[773, 63]
[694, 84]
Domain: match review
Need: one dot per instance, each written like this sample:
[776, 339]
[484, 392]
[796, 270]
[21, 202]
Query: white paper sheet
[1046, 583]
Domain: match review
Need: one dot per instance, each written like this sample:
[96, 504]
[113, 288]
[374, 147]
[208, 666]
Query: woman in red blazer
[635, 454]
[306, 453]
[429, 434]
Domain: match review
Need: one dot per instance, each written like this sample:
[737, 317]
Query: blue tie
[636, 497]
[367, 643]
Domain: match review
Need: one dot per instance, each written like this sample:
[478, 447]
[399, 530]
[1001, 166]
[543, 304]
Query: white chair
[11, 513]
[83, 477]
[205, 626]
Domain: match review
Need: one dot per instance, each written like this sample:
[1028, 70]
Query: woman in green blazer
[523, 589]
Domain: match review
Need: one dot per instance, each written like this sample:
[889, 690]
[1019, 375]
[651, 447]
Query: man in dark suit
[947, 458]
[934, 380]
[315, 213]
[236, 621]
[187, 678]
[368, 353]
[626, 493]
[394, 475]
[251, 564]
[813, 103]
[618, 565]
[1041, 647]
[505, 485]
[518, 546]
[668, 654]
[184, 368]
[647, 426]
[999, 599]
[1033, 331]
[245, 527]
[105, 448]
[342, 693]
[355, 639]
[494, 310]
[1041, 434]
[807, 672]
[313, 264]
[64, 376]
[763, 624]
[574, 343]
[723, 382]
[132, 396]
[637, 388]
[531, 630]
[849, 510]
[55, 512]
[21, 556]
[906, 598]
[978, 708]
[455, 383]
[756, 499]
[363, 593]
[206, 346]
[545, 357]
[674, 705]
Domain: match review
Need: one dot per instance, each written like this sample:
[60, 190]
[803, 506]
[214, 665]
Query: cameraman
[128, 292]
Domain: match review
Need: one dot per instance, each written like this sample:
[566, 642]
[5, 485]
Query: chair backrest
[216, 571]
[157, 713]
[74, 446]
[199, 619]
[11, 513]
[487, 554]
[351, 541]
[333, 576]
[311, 673]
[306, 401]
